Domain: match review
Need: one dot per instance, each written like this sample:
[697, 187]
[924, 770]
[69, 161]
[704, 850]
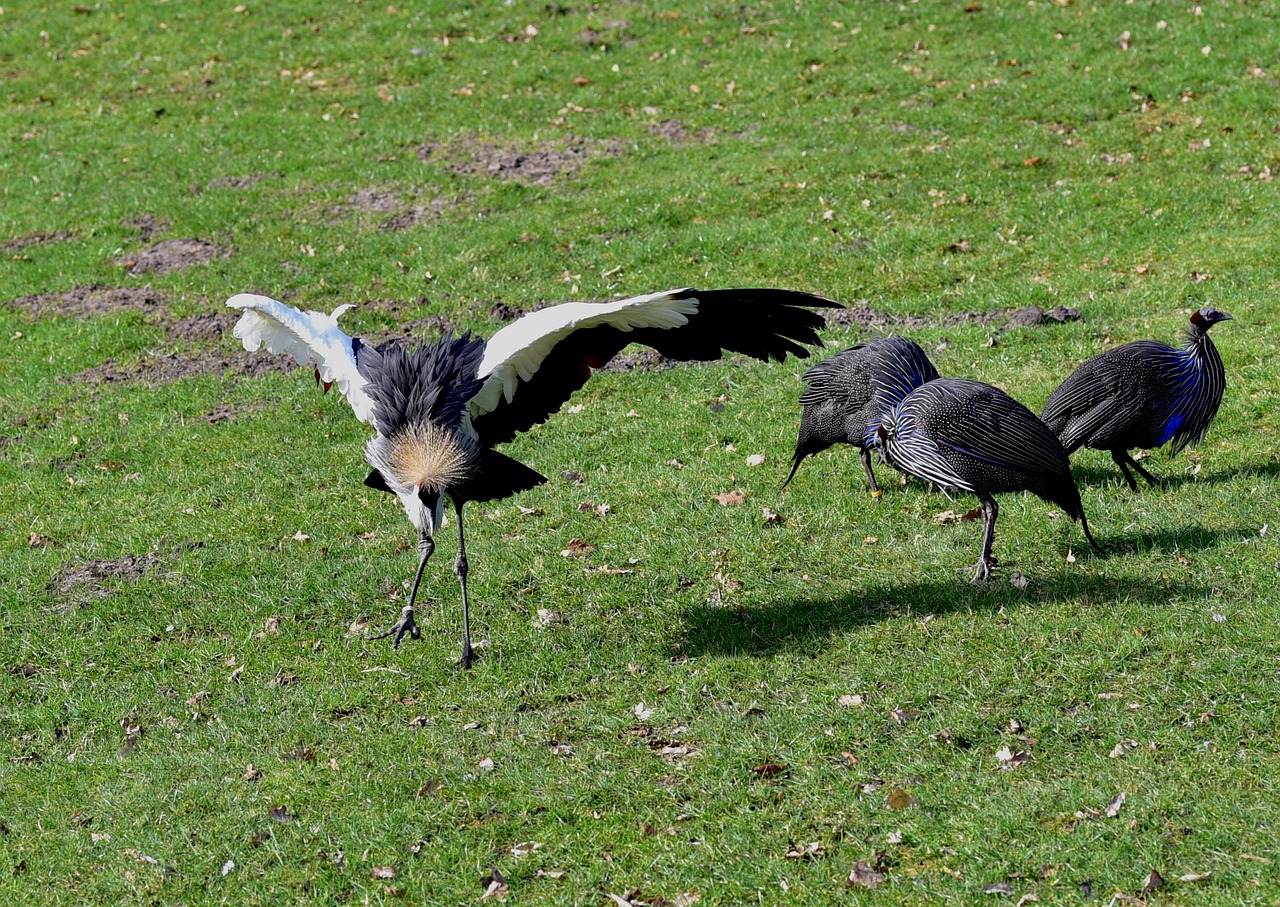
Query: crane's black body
[965, 435]
[847, 395]
[1142, 395]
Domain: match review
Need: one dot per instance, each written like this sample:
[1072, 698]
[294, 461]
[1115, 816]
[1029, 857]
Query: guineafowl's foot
[404, 625]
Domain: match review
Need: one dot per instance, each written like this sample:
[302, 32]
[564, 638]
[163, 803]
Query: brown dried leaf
[771, 517]
[902, 716]
[900, 799]
[251, 773]
[36, 540]
[1154, 881]
[771, 770]
[862, 875]
[730, 498]
[280, 814]
[383, 872]
[577, 547]
[810, 851]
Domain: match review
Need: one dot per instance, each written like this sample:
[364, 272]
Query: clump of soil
[641, 361]
[35, 239]
[229, 412]
[170, 367]
[171, 255]
[500, 311]
[533, 166]
[241, 182]
[202, 328]
[1030, 316]
[89, 300]
[148, 225]
[417, 332]
[94, 578]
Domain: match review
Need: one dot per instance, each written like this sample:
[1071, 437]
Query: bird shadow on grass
[781, 626]
[1170, 473]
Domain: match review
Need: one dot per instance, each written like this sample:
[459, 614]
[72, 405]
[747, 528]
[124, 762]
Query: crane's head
[418, 464]
[1207, 317]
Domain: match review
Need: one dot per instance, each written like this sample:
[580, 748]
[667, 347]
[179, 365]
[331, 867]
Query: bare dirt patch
[95, 579]
[89, 300]
[1030, 316]
[533, 166]
[500, 311]
[205, 327]
[170, 367]
[241, 182]
[31, 240]
[675, 132]
[171, 255]
[640, 361]
[408, 206]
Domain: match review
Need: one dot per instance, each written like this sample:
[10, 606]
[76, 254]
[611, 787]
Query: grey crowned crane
[846, 396]
[439, 411]
[1142, 395]
[964, 435]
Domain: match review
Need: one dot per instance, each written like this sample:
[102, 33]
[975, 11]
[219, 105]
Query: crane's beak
[433, 503]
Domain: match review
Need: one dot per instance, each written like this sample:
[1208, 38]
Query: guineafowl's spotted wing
[985, 435]
[1117, 399]
[532, 366]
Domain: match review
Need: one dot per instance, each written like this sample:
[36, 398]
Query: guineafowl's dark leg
[990, 510]
[1120, 458]
[1142, 472]
[406, 624]
[461, 568]
[871, 476]
[1084, 524]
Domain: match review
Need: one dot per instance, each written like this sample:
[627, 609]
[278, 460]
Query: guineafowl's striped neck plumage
[1199, 380]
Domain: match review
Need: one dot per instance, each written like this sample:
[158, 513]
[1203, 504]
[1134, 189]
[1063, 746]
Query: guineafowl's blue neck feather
[1198, 380]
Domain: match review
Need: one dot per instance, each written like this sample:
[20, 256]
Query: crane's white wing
[309, 337]
[515, 353]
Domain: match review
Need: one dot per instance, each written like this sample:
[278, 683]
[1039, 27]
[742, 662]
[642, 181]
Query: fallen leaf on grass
[862, 875]
[496, 886]
[36, 540]
[524, 848]
[755, 459]
[551, 873]
[280, 814]
[1154, 881]
[810, 851]
[997, 888]
[770, 517]
[301, 536]
[577, 547]
[1123, 748]
[642, 711]
[251, 773]
[771, 769]
[486, 765]
[900, 799]
[849, 700]
[1196, 877]
[730, 498]
[1113, 808]
[546, 618]
[950, 516]
[902, 716]
[1011, 760]
[383, 872]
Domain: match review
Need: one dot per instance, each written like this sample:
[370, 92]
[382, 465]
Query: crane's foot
[404, 625]
[982, 570]
[469, 657]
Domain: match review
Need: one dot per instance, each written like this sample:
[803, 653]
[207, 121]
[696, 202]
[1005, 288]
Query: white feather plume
[515, 353]
[309, 337]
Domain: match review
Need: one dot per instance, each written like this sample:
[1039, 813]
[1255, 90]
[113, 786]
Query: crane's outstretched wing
[532, 366]
[310, 337]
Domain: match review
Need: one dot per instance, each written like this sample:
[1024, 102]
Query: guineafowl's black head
[1208, 316]
[820, 428]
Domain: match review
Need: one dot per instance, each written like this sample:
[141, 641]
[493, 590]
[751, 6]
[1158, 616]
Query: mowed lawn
[714, 698]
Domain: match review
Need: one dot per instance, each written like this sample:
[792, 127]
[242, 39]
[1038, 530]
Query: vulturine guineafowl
[439, 411]
[1142, 395]
[848, 394]
[964, 435]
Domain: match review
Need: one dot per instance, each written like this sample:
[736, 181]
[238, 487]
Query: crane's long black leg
[871, 476]
[406, 623]
[1142, 472]
[461, 568]
[982, 570]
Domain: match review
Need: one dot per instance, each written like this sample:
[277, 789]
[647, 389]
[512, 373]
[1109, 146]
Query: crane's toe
[404, 625]
[468, 658]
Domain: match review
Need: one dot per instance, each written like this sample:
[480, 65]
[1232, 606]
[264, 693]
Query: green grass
[1078, 172]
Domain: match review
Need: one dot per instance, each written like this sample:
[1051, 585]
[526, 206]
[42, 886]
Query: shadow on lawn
[1170, 472]
[783, 625]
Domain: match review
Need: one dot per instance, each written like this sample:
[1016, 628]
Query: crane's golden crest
[429, 455]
